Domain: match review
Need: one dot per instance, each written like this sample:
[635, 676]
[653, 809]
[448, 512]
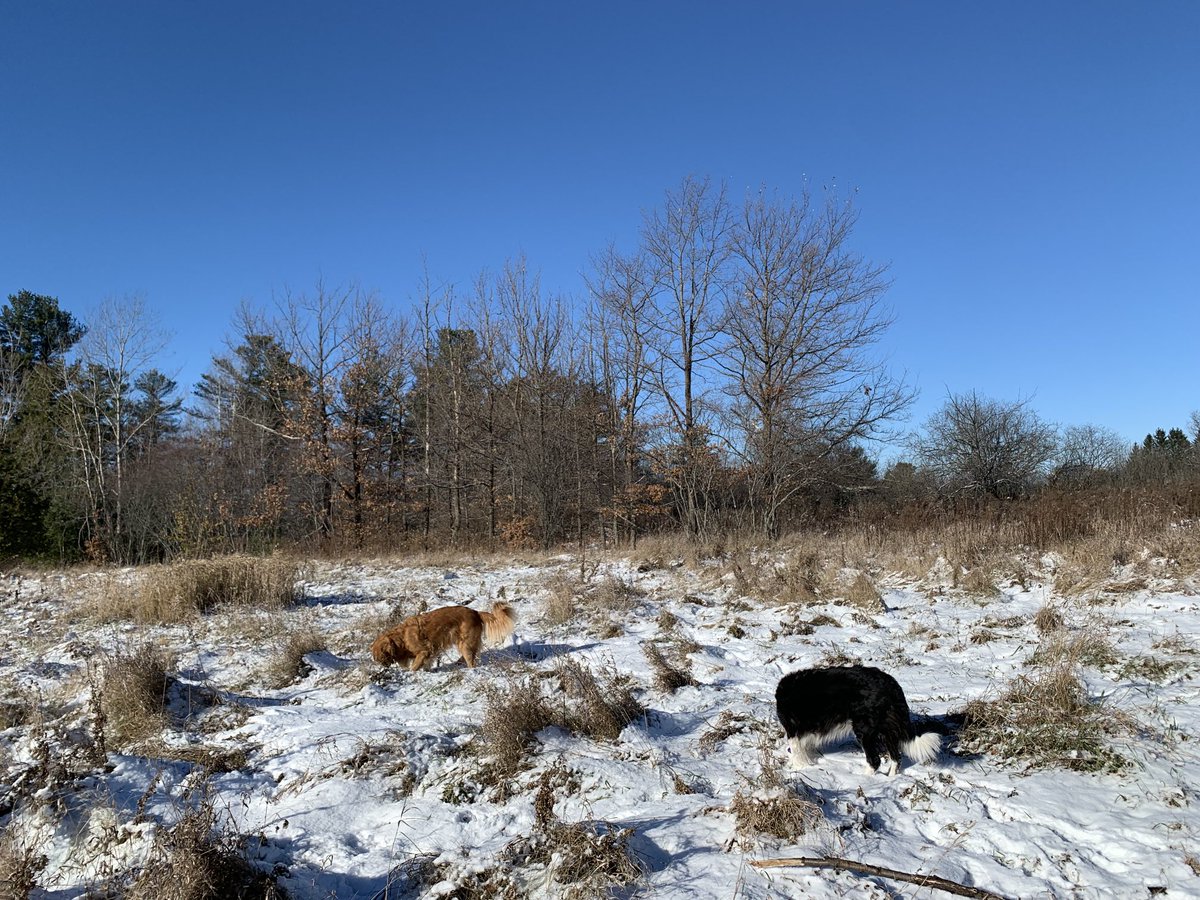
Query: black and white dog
[819, 706]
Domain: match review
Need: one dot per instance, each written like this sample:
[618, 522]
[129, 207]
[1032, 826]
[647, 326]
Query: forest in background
[722, 378]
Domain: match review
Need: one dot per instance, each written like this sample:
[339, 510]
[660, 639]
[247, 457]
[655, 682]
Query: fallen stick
[833, 862]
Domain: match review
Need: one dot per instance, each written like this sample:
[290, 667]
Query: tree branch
[849, 865]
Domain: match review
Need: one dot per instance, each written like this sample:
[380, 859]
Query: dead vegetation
[134, 693]
[771, 806]
[180, 591]
[668, 677]
[200, 857]
[287, 665]
[585, 705]
[21, 864]
[1047, 719]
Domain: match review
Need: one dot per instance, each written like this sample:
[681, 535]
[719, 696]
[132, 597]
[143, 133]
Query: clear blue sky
[1030, 170]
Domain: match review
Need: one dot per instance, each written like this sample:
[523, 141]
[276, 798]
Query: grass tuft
[178, 592]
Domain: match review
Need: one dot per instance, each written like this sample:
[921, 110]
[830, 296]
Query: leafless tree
[100, 424]
[800, 329]
[544, 397]
[622, 288]
[988, 447]
[316, 331]
[368, 440]
[687, 243]
[1088, 452]
[12, 386]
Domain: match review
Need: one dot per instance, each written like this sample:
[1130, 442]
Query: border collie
[819, 706]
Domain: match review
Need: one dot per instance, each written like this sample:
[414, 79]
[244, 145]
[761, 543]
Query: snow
[354, 776]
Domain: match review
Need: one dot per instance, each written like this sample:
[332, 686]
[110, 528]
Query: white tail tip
[924, 747]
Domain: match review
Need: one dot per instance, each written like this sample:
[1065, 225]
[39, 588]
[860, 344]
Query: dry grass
[598, 708]
[1086, 646]
[615, 594]
[602, 706]
[728, 724]
[562, 600]
[21, 865]
[771, 806]
[667, 676]
[134, 693]
[980, 581]
[513, 715]
[778, 577]
[590, 858]
[178, 592]
[287, 665]
[1047, 720]
[863, 594]
[200, 858]
[1048, 620]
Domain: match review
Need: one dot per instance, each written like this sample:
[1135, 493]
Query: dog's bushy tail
[499, 623]
[923, 748]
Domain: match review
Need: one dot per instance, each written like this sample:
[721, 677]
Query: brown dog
[420, 638]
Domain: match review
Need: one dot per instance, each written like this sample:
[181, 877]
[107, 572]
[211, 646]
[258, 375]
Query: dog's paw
[890, 768]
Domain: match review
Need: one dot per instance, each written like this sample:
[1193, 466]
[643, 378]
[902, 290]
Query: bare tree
[541, 332]
[987, 447]
[622, 287]
[686, 241]
[102, 423]
[800, 328]
[1088, 452]
[318, 334]
[12, 386]
[368, 437]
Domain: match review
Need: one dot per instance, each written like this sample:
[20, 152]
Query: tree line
[723, 374]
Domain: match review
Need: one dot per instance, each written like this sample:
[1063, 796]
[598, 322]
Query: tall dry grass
[180, 591]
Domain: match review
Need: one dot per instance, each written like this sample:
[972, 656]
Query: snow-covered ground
[356, 783]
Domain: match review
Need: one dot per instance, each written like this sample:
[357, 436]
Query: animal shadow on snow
[536, 651]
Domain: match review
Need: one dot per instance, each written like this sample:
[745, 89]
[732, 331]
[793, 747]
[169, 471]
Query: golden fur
[420, 638]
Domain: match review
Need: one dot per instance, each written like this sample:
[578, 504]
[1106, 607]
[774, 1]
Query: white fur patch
[806, 749]
[924, 747]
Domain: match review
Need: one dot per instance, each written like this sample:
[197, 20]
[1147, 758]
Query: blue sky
[1030, 171]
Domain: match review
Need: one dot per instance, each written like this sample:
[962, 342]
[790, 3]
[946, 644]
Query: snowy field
[352, 782]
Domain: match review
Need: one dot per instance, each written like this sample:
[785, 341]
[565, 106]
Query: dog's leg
[802, 751]
[418, 661]
[869, 740]
[468, 653]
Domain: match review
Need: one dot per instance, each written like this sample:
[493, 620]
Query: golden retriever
[423, 637]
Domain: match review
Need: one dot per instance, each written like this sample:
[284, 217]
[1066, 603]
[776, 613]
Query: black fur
[815, 705]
